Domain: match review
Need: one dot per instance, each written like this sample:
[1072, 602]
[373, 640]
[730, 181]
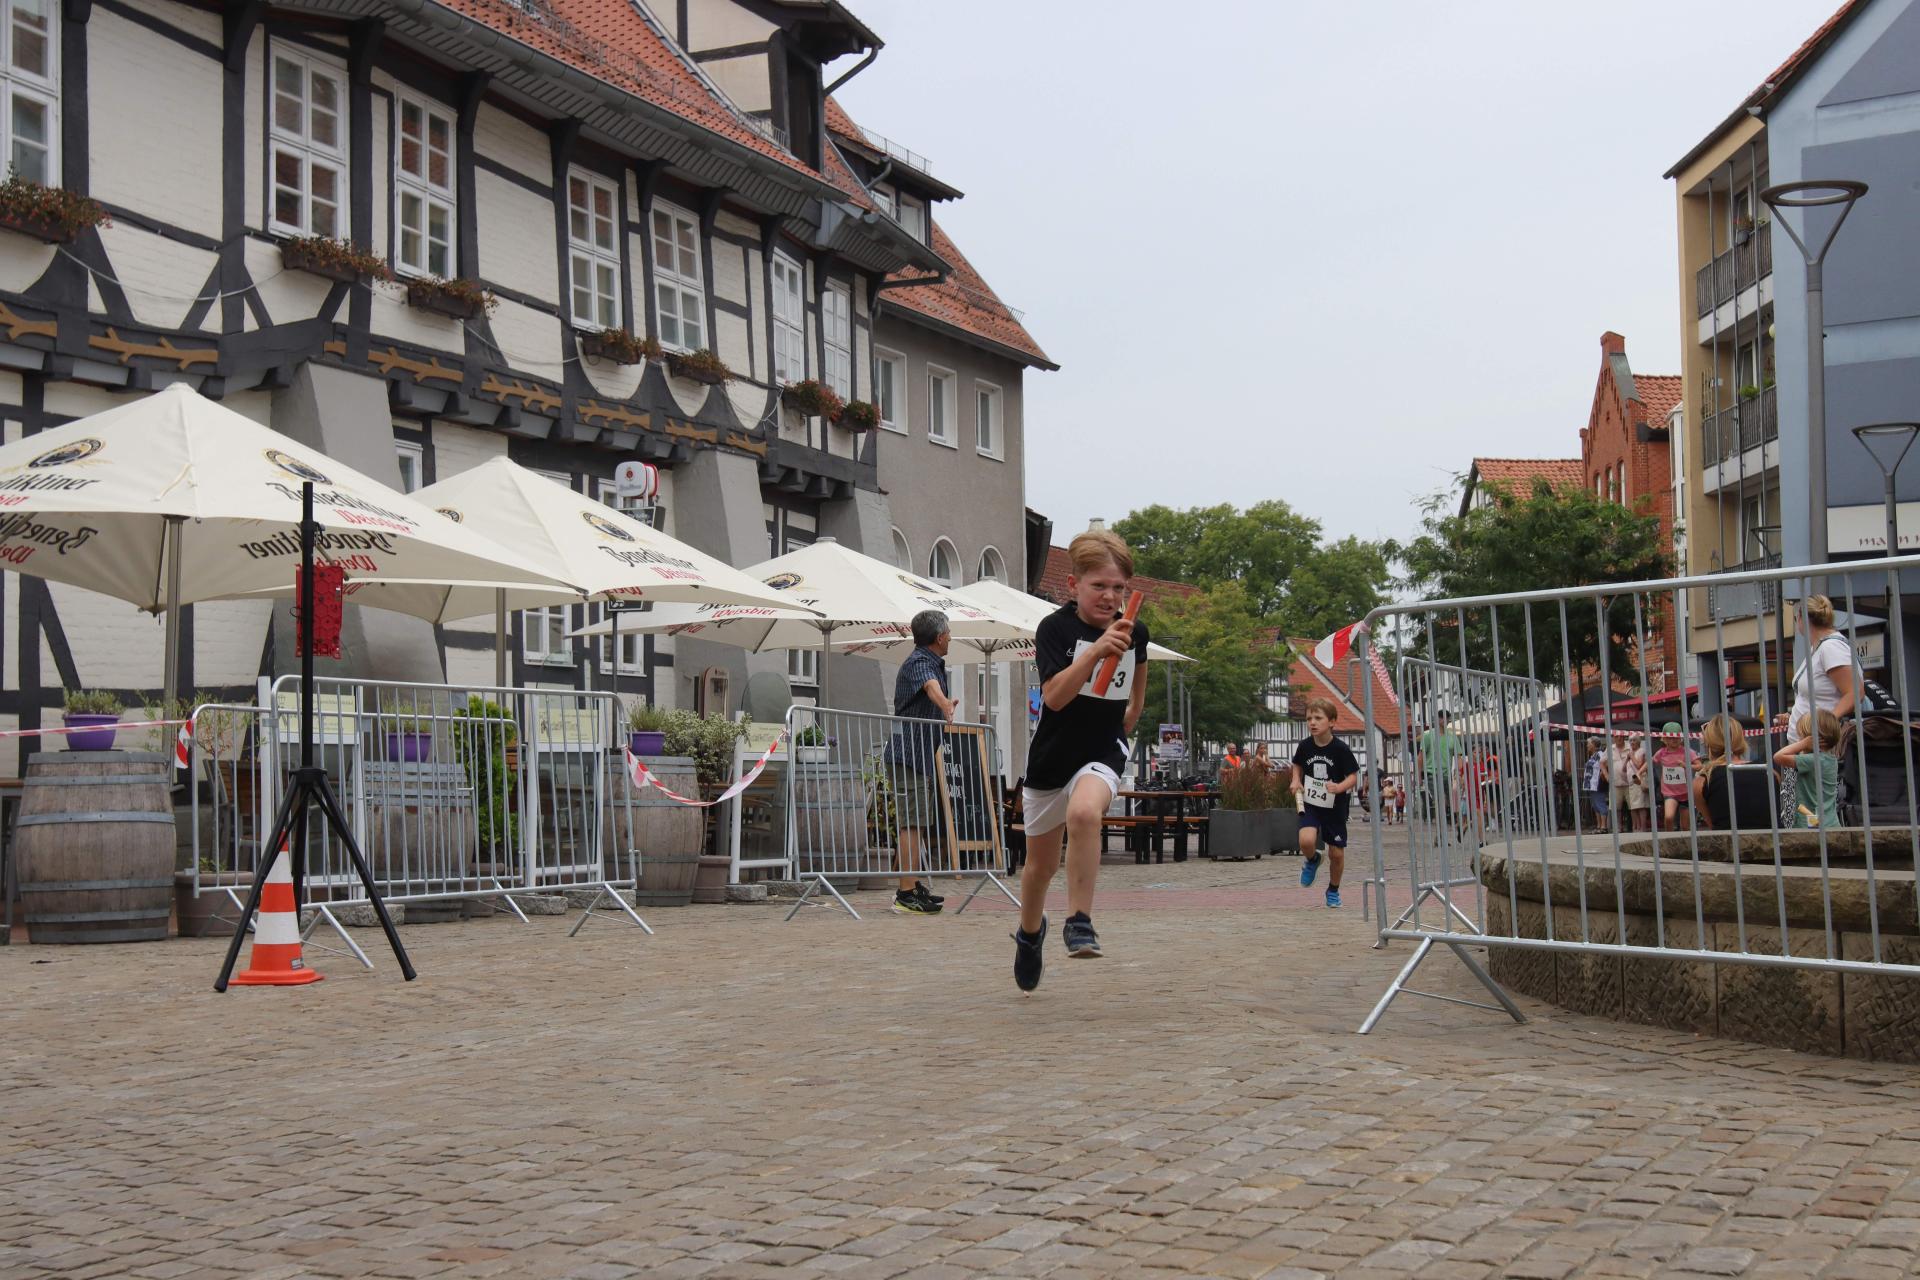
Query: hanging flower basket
[51, 215]
[813, 398]
[461, 299]
[698, 366]
[619, 346]
[333, 260]
[859, 415]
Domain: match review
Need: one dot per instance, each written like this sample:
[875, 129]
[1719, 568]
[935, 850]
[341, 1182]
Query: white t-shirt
[1831, 653]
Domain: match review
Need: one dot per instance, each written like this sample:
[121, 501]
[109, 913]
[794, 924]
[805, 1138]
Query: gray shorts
[916, 799]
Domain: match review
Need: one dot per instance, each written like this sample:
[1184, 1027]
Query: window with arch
[902, 553]
[943, 566]
[992, 567]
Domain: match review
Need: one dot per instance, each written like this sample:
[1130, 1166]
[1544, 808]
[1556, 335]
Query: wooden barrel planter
[666, 835]
[94, 846]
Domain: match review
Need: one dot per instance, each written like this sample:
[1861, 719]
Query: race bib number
[1673, 775]
[1120, 688]
[1319, 792]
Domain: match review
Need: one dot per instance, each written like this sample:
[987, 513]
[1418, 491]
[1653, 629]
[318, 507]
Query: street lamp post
[1884, 441]
[1815, 195]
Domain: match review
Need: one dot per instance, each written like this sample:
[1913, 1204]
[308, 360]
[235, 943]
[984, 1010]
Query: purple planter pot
[647, 742]
[98, 734]
[410, 746]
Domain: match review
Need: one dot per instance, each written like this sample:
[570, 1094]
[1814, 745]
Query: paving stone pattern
[737, 1097]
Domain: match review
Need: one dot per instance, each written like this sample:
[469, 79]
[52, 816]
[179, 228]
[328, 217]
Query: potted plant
[813, 398]
[52, 215]
[1237, 827]
[619, 346]
[1749, 392]
[647, 726]
[91, 713]
[698, 366]
[410, 739]
[483, 742]
[859, 415]
[461, 299]
[709, 742]
[811, 745]
[333, 259]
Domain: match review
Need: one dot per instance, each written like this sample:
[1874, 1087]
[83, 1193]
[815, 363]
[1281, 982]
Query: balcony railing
[1740, 267]
[1740, 427]
[1744, 599]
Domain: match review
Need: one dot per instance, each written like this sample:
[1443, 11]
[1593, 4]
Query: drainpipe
[855, 70]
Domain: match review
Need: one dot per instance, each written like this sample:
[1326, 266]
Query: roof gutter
[855, 70]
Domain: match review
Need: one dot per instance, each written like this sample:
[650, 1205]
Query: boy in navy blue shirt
[1324, 776]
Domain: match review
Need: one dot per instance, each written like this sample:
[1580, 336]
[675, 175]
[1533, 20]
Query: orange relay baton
[1104, 676]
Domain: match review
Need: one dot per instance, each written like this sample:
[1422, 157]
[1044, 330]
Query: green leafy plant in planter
[698, 366]
[859, 415]
[462, 299]
[619, 346]
[91, 713]
[334, 259]
[1239, 826]
[814, 398]
[1749, 392]
[481, 745]
[52, 214]
[707, 740]
[647, 729]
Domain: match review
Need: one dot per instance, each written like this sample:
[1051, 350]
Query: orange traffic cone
[276, 961]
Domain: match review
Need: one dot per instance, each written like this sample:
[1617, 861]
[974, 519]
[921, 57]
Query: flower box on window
[698, 366]
[52, 215]
[461, 299]
[813, 398]
[859, 415]
[619, 346]
[333, 260]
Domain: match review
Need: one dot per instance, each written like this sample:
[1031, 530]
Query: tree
[1538, 541]
[1272, 551]
[1234, 661]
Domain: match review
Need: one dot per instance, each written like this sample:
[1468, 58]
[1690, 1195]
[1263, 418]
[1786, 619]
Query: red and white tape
[90, 728]
[1668, 737]
[643, 778]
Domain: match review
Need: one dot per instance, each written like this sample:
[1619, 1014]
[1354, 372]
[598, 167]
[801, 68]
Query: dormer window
[887, 199]
[913, 218]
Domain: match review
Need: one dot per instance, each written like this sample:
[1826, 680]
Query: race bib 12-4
[1318, 792]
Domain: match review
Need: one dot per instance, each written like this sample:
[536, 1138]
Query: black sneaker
[925, 894]
[1082, 942]
[909, 903]
[1029, 956]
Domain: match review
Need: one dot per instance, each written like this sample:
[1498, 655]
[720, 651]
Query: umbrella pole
[500, 639]
[170, 680]
[826, 649]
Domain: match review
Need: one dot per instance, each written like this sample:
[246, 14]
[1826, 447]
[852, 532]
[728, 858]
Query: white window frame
[912, 216]
[953, 558]
[302, 147]
[836, 339]
[789, 307]
[803, 666]
[887, 199]
[890, 384]
[588, 254]
[422, 187]
[31, 86]
[630, 642]
[535, 623]
[409, 454]
[902, 552]
[991, 554]
[994, 446]
[687, 291]
[944, 384]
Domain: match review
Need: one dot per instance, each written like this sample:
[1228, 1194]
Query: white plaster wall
[749, 402]
[744, 79]
[713, 24]
[253, 110]
[734, 224]
[155, 141]
[516, 238]
[382, 176]
[393, 318]
[22, 261]
[730, 339]
[228, 638]
[161, 276]
[688, 395]
[529, 340]
[287, 295]
[77, 400]
[612, 380]
[195, 22]
[513, 143]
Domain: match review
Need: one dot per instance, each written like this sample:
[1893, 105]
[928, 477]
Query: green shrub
[708, 741]
[481, 748]
[93, 702]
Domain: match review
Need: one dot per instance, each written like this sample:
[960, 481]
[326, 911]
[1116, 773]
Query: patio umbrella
[602, 552]
[1007, 602]
[854, 597]
[173, 499]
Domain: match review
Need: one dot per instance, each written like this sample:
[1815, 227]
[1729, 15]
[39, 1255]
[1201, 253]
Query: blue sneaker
[1309, 869]
[1333, 897]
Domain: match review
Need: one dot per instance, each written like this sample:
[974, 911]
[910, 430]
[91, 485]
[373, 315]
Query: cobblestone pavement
[740, 1097]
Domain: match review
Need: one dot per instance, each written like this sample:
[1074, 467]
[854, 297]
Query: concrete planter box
[1283, 836]
[1237, 833]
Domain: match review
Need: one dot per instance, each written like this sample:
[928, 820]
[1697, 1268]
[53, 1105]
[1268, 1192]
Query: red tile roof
[1560, 473]
[1345, 686]
[838, 121]
[965, 301]
[1660, 393]
[1053, 583]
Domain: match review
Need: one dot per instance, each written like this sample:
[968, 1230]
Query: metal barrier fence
[452, 791]
[888, 797]
[1780, 850]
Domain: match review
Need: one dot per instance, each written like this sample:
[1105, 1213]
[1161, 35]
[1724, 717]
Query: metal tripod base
[987, 878]
[806, 898]
[323, 915]
[1474, 967]
[1427, 891]
[607, 891]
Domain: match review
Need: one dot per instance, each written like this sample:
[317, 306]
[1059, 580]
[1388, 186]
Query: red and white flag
[1332, 651]
[183, 746]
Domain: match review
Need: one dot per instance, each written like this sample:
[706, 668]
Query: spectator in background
[1594, 783]
[919, 693]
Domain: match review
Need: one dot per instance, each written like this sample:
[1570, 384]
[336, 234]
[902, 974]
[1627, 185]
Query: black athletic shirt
[1332, 763]
[1092, 728]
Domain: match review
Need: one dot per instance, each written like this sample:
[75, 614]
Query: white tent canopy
[173, 499]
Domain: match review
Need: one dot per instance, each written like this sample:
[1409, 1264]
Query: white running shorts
[1045, 810]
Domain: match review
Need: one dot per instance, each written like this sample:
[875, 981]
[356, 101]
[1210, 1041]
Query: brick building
[1624, 456]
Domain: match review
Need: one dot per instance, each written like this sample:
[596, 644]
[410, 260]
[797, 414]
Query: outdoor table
[1179, 816]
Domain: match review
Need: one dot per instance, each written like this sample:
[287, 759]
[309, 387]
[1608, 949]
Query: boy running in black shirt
[1080, 747]
[1324, 776]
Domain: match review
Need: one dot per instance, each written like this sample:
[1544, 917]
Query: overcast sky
[1321, 252]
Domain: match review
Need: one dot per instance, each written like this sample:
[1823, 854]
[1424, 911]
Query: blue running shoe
[1309, 869]
[1333, 897]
